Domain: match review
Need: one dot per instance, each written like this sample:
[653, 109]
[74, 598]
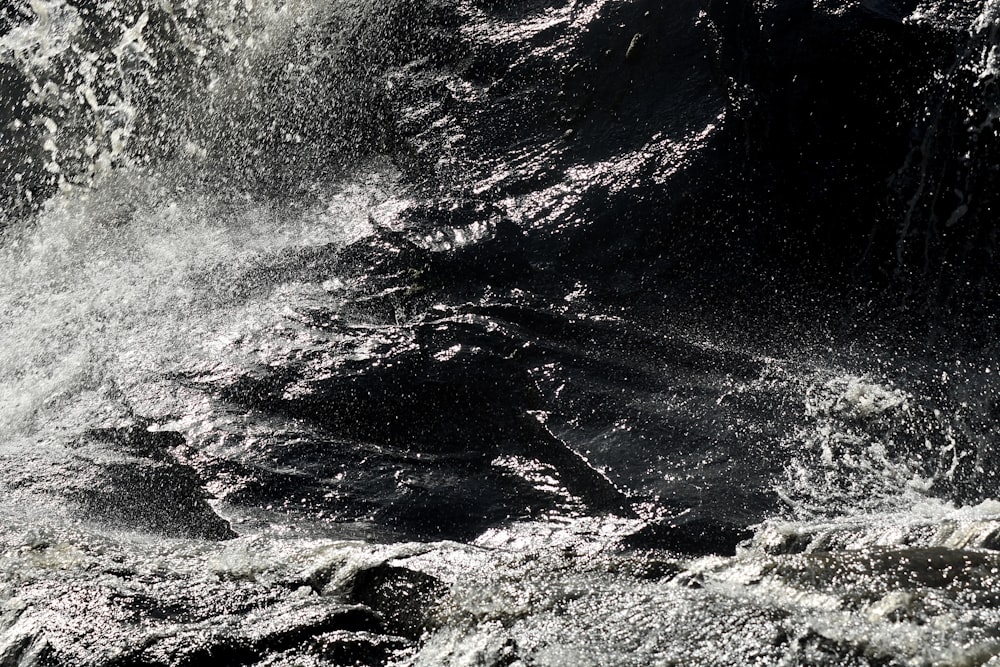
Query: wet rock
[144, 488]
[188, 622]
[697, 536]
[24, 182]
[343, 648]
[813, 86]
[344, 632]
[653, 569]
[411, 421]
[403, 598]
[868, 116]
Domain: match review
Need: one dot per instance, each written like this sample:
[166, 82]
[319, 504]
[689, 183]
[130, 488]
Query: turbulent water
[455, 332]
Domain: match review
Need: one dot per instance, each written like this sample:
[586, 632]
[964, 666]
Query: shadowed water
[454, 333]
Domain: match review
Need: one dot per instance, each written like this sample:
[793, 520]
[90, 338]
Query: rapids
[455, 332]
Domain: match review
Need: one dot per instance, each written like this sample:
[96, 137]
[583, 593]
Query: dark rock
[403, 598]
[947, 241]
[353, 648]
[653, 569]
[697, 536]
[821, 99]
[865, 148]
[24, 182]
[146, 489]
[346, 632]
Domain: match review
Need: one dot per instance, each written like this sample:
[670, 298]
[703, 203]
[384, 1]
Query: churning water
[354, 332]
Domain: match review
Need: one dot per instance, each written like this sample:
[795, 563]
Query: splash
[110, 289]
[267, 96]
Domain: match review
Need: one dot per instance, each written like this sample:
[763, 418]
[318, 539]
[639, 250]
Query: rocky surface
[836, 143]
[558, 379]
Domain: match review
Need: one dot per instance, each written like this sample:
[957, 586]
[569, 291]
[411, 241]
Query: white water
[110, 290]
[118, 286]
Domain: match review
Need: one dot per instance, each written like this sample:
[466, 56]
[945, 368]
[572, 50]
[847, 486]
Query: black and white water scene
[475, 333]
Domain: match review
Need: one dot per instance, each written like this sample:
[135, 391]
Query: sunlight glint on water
[110, 287]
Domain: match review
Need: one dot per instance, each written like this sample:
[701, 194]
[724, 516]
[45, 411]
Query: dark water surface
[432, 332]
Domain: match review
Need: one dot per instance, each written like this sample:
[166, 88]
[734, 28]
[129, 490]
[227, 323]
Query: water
[443, 333]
